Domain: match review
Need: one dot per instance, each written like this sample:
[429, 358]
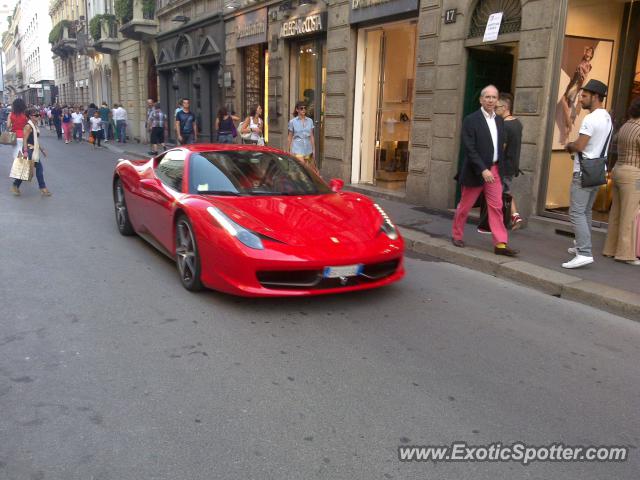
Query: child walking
[96, 128]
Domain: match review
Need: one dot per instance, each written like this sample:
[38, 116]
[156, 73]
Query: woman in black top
[225, 126]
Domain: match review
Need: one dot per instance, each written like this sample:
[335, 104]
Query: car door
[162, 192]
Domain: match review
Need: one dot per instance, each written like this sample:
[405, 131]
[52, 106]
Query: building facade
[68, 37]
[190, 54]
[37, 59]
[389, 83]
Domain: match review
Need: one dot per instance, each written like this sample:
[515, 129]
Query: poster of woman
[583, 58]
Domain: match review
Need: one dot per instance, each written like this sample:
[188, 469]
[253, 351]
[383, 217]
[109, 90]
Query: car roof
[220, 147]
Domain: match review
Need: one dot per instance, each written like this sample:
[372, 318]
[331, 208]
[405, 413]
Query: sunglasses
[302, 108]
[35, 114]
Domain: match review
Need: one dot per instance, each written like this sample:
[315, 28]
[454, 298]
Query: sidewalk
[605, 284]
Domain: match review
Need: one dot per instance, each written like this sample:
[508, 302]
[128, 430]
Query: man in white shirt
[593, 141]
[77, 120]
[120, 117]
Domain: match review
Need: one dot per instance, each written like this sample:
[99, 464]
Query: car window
[252, 172]
[170, 169]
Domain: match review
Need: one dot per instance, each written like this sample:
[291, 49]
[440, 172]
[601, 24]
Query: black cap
[596, 86]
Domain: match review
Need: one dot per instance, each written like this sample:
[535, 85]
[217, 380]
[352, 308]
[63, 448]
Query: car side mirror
[336, 184]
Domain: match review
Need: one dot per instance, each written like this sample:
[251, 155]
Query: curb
[557, 284]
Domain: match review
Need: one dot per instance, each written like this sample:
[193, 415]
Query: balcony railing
[141, 25]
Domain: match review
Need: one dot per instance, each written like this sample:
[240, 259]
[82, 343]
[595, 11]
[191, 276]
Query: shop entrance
[386, 108]
[311, 68]
[491, 65]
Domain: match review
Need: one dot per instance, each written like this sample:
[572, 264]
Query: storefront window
[601, 42]
[387, 104]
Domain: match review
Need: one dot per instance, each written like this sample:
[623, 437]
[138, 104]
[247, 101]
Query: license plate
[342, 271]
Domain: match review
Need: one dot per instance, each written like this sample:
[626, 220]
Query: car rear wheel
[122, 214]
[187, 257]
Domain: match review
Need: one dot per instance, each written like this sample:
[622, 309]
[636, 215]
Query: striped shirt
[629, 143]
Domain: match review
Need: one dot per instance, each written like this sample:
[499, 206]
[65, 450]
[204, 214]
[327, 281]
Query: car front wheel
[187, 257]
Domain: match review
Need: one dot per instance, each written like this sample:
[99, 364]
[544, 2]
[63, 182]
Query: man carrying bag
[589, 157]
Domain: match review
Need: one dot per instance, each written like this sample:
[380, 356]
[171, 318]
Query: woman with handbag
[620, 242]
[67, 123]
[252, 127]
[32, 151]
[224, 126]
[17, 121]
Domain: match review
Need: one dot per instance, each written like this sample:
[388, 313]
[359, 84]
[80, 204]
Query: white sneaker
[578, 261]
[633, 262]
[572, 250]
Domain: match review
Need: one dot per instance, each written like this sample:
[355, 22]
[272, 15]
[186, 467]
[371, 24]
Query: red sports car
[255, 221]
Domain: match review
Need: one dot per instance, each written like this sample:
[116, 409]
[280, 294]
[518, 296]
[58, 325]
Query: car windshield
[251, 172]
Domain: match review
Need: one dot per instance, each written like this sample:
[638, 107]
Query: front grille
[313, 280]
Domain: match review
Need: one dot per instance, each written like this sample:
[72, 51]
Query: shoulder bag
[8, 138]
[593, 172]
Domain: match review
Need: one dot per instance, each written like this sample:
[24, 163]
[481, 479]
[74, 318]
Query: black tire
[122, 213]
[187, 255]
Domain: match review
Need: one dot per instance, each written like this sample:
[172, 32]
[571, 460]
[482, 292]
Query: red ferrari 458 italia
[255, 221]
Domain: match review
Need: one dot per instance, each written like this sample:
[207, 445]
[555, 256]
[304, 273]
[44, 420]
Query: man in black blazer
[482, 140]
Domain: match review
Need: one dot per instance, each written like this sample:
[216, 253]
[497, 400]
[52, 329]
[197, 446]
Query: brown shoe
[15, 190]
[506, 251]
[457, 243]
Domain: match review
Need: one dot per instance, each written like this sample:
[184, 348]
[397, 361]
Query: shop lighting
[306, 2]
[180, 18]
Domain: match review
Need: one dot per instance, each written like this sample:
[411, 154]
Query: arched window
[511, 16]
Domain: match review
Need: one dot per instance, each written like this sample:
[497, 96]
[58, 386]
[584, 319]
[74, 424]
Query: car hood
[335, 218]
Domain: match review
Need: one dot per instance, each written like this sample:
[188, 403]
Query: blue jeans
[225, 138]
[77, 131]
[39, 173]
[121, 126]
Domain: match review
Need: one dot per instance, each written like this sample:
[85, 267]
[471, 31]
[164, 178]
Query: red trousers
[493, 195]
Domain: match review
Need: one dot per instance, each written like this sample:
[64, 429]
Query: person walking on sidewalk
[33, 151]
[592, 142]
[16, 123]
[67, 123]
[56, 117]
[4, 114]
[224, 126]
[96, 128]
[105, 113]
[482, 140]
[120, 116]
[186, 125]
[300, 140]
[509, 168]
[626, 191]
[157, 123]
[77, 119]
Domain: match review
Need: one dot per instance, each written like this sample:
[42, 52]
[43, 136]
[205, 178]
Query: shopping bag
[22, 168]
[8, 138]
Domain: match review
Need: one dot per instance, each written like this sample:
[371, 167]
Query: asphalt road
[109, 369]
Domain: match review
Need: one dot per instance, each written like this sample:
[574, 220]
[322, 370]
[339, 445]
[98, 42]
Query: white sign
[493, 27]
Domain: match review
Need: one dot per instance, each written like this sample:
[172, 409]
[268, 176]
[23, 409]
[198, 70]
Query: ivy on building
[95, 24]
[124, 10]
[148, 9]
[56, 32]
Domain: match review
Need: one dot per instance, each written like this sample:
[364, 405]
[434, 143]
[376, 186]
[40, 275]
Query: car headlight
[247, 237]
[387, 227]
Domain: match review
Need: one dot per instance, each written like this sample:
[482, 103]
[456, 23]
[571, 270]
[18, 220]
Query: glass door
[387, 104]
[312, 74]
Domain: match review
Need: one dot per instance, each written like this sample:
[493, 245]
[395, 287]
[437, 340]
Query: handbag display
[22, 168]
[8, 138]
[593, 171]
